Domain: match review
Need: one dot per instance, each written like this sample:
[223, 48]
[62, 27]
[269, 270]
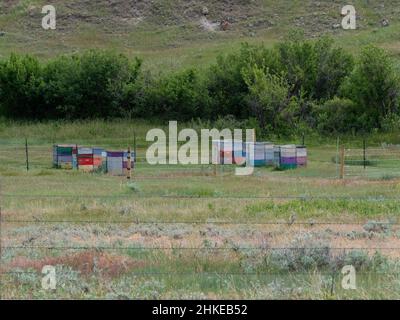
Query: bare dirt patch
[87, 262]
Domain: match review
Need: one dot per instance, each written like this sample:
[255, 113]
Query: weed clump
[377, 227]
[301, 254]
[307, 254]
[133, 186]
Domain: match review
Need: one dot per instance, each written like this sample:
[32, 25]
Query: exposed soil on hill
[239, 15]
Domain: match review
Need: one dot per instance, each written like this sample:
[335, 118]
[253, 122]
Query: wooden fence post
[337, 157]
[128, 165]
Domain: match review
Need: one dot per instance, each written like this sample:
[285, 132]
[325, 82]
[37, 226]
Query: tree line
[295, 86]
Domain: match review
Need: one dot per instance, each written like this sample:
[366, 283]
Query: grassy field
[181, 232]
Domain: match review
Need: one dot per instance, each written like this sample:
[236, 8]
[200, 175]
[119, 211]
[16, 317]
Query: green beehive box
[64, 151]
[288, 166]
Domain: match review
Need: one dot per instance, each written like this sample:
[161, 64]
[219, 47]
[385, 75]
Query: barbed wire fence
[374, 163]
[72, 248]
[367, 156]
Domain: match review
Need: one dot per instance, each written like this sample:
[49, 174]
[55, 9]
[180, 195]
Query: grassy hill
[174, 33]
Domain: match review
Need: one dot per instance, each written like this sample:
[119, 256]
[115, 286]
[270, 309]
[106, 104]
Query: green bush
[181, 96]
[314, 70]
[308, 254]
[89, 86]
[374, 87]
[297, 86]
[267, 97]
[338, 115]
[21, 88]
[391, 122]
[226, 84]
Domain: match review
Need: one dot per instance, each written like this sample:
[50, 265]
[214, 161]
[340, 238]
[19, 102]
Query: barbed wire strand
[193, 248]
[216, 273]
[228, 197]
[139, 222]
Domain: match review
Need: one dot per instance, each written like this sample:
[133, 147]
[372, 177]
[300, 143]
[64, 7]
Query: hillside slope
[172, 33]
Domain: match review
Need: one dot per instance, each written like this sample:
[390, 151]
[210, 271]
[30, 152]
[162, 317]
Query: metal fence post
[342, 155]
[134, 146]
[26, 154]
[365, 154]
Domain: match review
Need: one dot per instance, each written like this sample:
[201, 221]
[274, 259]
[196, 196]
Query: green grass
[174, 207]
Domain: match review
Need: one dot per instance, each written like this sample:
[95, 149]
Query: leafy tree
[226, 85]
[374, 87]
[89, 86]
[182, 96]
[294, 85]
[297, 59]
[333, 65]
[21, 88]
[314, 70]
[267, 98]
[338, 115]
[63, 87]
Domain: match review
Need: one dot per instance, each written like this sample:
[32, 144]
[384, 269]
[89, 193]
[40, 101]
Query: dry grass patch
[86, 262]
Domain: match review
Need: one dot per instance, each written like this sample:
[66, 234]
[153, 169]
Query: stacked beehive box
[226, 152]
[301, 156]
[269, 154]
[288, 157]
[85, 159]
[255, 154]
[222, 152]
[239, 152]
[117, 162]
[99, 160]
[65, 156]
[277, 156]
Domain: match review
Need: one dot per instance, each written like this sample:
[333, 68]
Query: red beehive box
[85, 161]
[227, 157]
[97, 161]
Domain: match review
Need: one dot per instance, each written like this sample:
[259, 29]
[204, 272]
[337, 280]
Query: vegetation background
[180, 232]
[285, 68]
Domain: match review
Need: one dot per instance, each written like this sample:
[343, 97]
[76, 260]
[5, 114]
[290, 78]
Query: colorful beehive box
[255, 154]
[288, 157]
[277, 156]
[269, 154]
[301, 156]
[85, 159]
[92, 159]
[222, 151]
[99, 160]
[228, 152]
[239, 152]
[117, 162]
[65, 156]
